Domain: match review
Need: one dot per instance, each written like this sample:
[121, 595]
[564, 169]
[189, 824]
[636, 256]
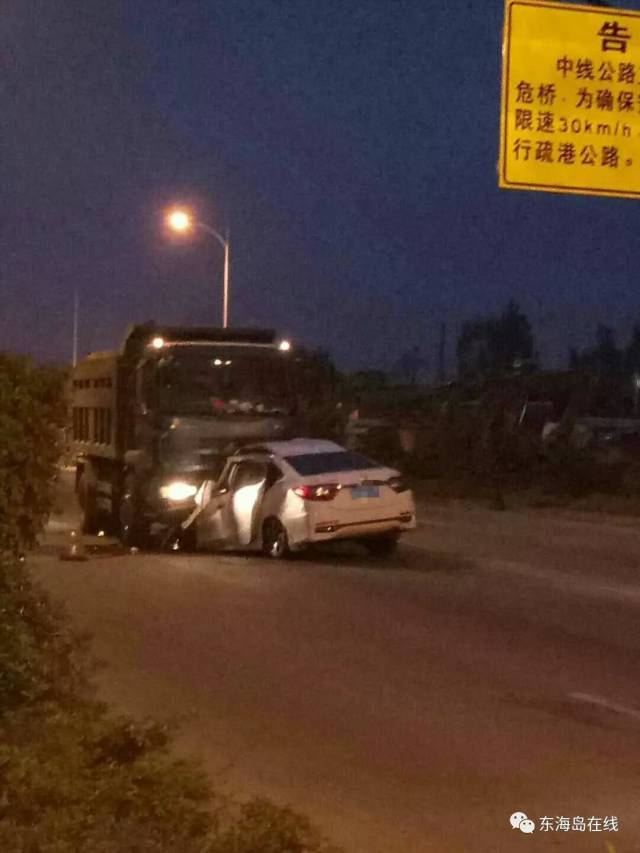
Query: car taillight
[398, 484]
[325, 492]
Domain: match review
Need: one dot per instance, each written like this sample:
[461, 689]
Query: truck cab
[154, 420]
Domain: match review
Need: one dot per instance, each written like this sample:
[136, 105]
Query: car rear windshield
[308, 464]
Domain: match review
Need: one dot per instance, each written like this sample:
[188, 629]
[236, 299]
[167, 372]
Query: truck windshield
[224, 381]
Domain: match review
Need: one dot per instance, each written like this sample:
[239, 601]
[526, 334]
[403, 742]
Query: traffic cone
[75, 549]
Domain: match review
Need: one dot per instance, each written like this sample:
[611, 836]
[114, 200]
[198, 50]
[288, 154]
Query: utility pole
[76, 305]
[225, 283]
[441, 349]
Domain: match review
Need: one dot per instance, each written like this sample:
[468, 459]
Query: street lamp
[182, 222]
[179, 220]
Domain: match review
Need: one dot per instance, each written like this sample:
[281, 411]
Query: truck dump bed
[94, 412]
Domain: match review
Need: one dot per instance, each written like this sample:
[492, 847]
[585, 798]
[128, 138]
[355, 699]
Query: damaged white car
[281, 496]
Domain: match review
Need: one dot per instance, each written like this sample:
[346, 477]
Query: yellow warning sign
[570, 119]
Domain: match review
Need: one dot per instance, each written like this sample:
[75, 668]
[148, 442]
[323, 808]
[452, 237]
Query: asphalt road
[493, 666]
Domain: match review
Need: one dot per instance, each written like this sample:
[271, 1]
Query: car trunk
[364, 497]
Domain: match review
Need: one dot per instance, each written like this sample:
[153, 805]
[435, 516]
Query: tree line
[503, 344]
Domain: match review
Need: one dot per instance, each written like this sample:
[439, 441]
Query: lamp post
[182, 221]
[76, 309]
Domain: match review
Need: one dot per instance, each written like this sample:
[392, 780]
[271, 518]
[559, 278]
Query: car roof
[294, 447]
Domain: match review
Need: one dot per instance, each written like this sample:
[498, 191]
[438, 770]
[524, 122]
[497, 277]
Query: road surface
[411, 705]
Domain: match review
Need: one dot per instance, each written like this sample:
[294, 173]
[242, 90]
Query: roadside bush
[565, 470]
[32, 413]
[480, 450]
[382, 443]
[41, 661]
[260, 827]
[64, 790]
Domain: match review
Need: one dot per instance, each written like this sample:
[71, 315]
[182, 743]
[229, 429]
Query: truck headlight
[178, 491]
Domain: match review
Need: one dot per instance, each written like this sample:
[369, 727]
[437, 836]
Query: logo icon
[519, 820]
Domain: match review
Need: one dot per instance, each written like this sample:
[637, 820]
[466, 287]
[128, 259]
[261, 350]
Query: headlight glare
[178, 491]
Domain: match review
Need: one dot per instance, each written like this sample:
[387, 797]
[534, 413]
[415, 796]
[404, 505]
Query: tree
[473, 349]
[604, 359]
[409, 365]
[495, 345]
[608, 357]
[511, 339]
[316, 375]
[631, 356]
[366, 381]
[574, 359]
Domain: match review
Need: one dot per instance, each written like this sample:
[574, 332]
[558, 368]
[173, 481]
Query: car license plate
[365, 492]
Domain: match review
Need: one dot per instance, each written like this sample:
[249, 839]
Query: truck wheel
[134, 529]
[189, 540]
[91, 522]
[275, 542]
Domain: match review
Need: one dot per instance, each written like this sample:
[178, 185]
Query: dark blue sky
[351, 147]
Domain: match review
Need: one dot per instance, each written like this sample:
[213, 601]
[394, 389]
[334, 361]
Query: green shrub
[260, 827]
[576, 472]
[32, 413]
[41, 660]
[65, 791]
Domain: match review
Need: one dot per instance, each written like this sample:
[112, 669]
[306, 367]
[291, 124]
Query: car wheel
[382, 545]
[275, 542]
[134, 529]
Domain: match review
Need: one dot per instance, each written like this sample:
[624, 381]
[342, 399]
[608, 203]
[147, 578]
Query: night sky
[349, 145]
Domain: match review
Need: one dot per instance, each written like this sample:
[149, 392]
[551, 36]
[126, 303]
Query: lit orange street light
[179, 220]
[182, 221]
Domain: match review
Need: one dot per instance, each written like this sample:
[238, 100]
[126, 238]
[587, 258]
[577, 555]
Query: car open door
[229, 508]
[247, 492]
[214, 523]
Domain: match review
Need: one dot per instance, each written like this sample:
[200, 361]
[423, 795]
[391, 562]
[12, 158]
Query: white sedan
[280, 496]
